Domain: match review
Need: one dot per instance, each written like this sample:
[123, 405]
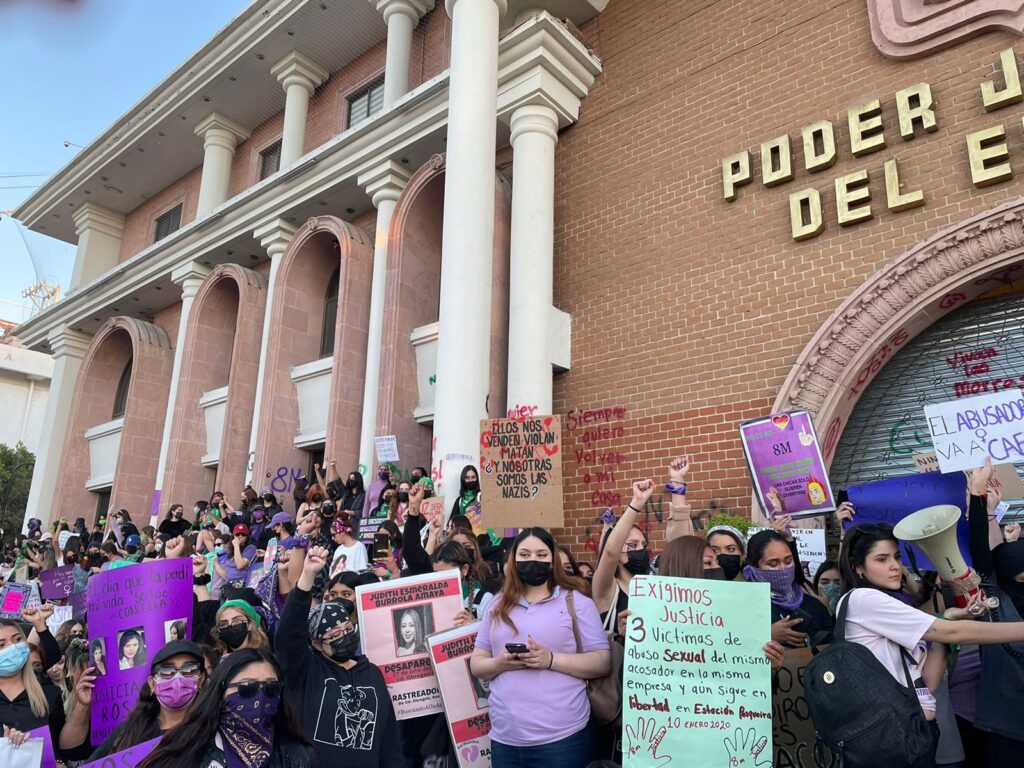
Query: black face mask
[234, 635]
[731, 565]
[351, 484]
[344, 648]
[638, 562]
[472, 486]
[533, 572]
[403, 497]
[716, 574]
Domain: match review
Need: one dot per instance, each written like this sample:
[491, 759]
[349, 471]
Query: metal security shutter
[982, 342]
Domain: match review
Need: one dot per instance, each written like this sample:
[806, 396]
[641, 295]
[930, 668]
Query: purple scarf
[246, 727]
[786, 594]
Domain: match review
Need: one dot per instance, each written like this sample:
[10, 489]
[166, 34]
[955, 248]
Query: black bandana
[328, 615]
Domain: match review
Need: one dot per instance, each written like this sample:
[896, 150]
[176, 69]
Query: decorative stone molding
[97, 218]
[217, 130]
[385, 181]
[414, 9]
[892, 307]
[908, 29]
[296, 69]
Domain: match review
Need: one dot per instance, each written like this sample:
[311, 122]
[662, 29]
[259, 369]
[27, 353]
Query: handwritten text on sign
[697, 684]
[521, 472]
[964, 432]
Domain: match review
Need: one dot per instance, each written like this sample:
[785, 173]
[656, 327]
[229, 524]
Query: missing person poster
[696, 679]
[786, 465]
[133, 612]
[521, 472]
[395, 618]
[466, 697]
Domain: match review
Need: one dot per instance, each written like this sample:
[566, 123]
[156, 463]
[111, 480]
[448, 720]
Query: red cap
[240, 528]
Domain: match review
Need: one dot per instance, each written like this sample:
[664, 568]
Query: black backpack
[861, 713]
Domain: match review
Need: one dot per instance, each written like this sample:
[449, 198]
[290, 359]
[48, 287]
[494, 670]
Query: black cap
[175, 647]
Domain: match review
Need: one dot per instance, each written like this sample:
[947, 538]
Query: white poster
[387, 448]
[965, 431]
[810, 544]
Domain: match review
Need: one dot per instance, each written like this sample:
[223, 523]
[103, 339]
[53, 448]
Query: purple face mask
[785, 594]
[384, 475]
[176, 693]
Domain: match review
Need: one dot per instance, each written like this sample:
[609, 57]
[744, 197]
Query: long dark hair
[360, 488]
[759, 543]
[514, 587]
[856, 547]
[187, 743]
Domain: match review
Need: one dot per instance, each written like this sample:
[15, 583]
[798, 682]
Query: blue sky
[70, 68]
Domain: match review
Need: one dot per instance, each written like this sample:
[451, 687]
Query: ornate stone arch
[893, 306]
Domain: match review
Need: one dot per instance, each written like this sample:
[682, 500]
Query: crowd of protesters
[267, 633]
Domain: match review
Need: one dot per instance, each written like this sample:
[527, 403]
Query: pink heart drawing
[781, 421]
[470, 753]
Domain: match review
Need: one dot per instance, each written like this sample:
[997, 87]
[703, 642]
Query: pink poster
[466, 704]
[395, 618]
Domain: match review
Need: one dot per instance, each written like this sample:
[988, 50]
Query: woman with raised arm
[623, 555]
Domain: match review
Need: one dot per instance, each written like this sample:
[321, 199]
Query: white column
[299, 77]
[68, 348]
[275, 238]
[99, 232]
[220, 137]
[190, 277]
[384, 184]
[401, 16]
[464, 322]
[531, 278]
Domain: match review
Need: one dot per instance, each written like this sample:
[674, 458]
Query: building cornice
[97, 218]
[296, 69]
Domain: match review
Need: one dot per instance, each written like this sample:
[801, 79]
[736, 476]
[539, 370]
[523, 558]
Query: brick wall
[140, 224]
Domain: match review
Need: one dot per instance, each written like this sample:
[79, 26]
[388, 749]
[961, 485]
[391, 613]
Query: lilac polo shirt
[530, 707]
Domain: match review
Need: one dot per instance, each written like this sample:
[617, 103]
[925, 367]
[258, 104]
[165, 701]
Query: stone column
[275, 237]
[464, 322]
[384, 184]
[99, 243]
[190, 277]
[220, 137]
[299, 77]
[401, 16]
[531, 277]
[68, 348]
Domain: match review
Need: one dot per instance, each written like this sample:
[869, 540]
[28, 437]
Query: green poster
[697, 684]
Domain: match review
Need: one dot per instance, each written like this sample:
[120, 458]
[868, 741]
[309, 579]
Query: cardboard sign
[57, 583]
[466, 698]
[132, 612]
[395, 618]
[61, 613]
[432, 508]
[521, 472]
[697, 681]
[965, 431]
[1004, 476]
[387, 448]
[13, 600]
[810, 545]
[793, 732]
[786, 465]
[892, 499]
[128, 758]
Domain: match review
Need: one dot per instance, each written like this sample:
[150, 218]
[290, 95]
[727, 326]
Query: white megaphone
[933, 529]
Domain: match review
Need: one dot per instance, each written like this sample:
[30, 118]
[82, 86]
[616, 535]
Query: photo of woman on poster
[481, 689]
[98, 652]
[410, 633]
[175, 630]
[131, 648]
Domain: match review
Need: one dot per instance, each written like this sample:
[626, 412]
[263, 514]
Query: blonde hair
[34, 691]
[256, 638]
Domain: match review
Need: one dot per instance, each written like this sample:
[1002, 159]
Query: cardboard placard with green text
[521, 472]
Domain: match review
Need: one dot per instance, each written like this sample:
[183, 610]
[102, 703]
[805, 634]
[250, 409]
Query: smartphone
[515, 648]
[381, 544]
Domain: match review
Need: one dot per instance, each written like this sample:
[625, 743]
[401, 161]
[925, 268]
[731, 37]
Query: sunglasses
[235, 623]
[250, 688]
[168, 671]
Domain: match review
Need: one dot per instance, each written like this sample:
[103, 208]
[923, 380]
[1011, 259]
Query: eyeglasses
[250, 688]
[168, 671]
[235, 623]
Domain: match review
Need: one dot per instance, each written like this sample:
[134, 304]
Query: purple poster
[57, 583]
[786, 465]
[128, 758]
[133, 612]
[79, 604]
[49, 758]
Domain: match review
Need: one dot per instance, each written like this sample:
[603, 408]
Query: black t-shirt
[173, 528]
[817, 621]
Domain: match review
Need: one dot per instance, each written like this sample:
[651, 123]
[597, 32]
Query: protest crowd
[278, 657]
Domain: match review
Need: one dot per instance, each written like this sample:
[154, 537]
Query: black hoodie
[346, 713]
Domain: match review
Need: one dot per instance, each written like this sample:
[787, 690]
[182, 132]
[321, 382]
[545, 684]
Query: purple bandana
[246, 726]
[785, 594]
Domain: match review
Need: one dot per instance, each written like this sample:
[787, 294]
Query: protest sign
[61, 613]
[786, 465]
[432, 508]
[793, 733]
[810, 545]
[1004, 476]
[127, 758]
[64, 538]
[49, 759]
[57, 583]
[79, 602]
[521, 472]
[891, 500]
[368, 527]
[28, 755]
[387, 448]
[132, 612]
[965, 431]
[465, 696]
[395, 618]
[13, 600]
[696, 679]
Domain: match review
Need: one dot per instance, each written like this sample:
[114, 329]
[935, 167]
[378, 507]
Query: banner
[128, 758]
[395, 618]
[521, 472]
[466, 704]
[57, 583]
[965, 431]
[810, 545]
[892, 499]
[387, 448]
[13, 600]
[697, 683]
[132, 613]
[786, 465]
[793, 731]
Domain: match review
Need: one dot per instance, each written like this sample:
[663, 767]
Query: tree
[16, 466]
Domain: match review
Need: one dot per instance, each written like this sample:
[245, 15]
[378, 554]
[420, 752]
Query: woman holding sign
[537, 669]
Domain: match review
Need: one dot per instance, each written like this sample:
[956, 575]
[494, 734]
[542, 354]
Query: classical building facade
[350, 219]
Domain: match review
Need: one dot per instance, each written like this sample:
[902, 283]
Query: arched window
[330, 316]
[121, 395]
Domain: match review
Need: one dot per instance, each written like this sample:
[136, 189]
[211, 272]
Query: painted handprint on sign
[746, 749]
[647, 736]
